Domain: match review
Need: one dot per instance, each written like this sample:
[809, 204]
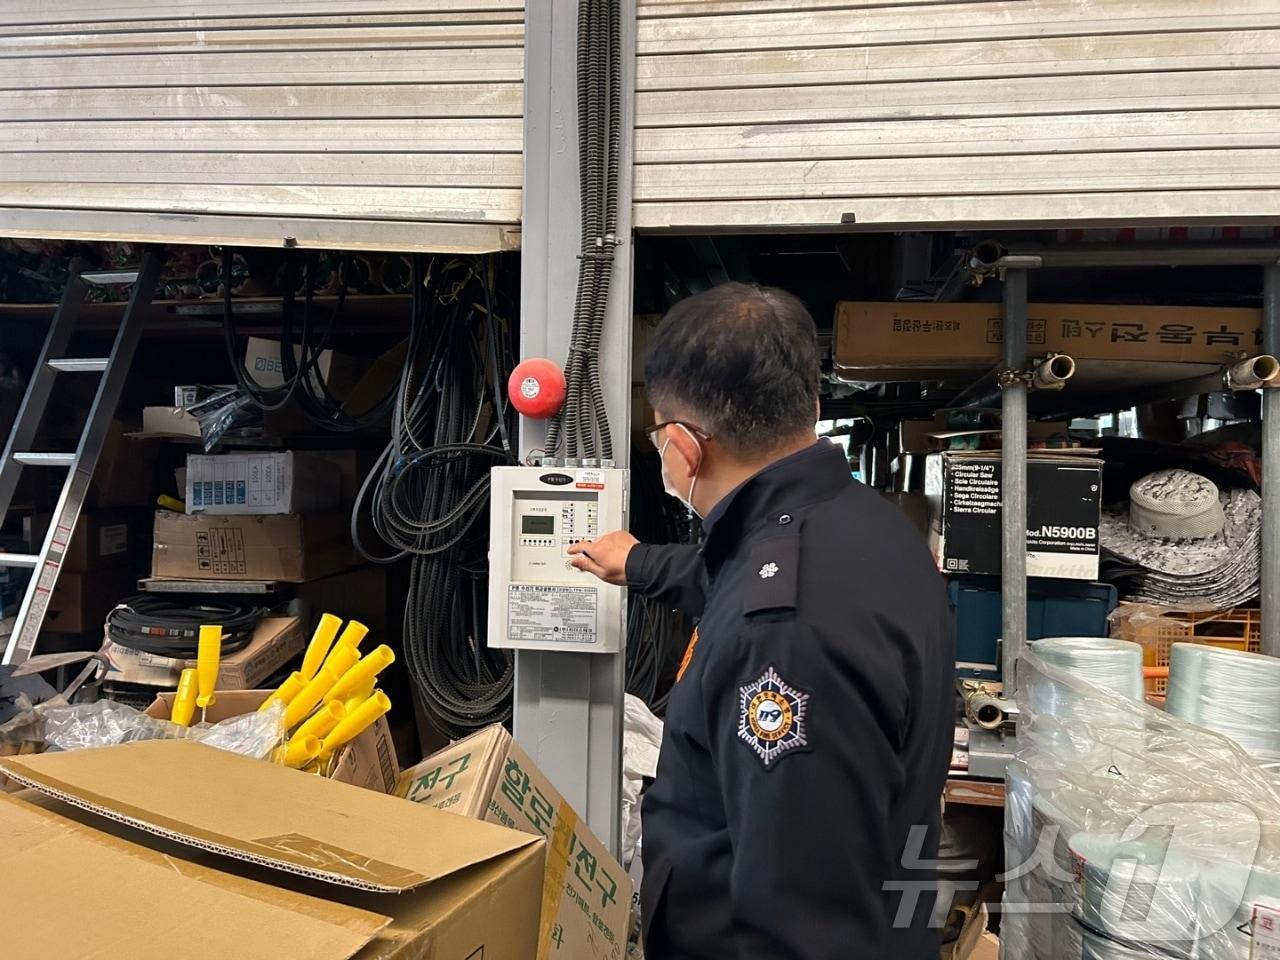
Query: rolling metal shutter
[779, 114]
[364, 124]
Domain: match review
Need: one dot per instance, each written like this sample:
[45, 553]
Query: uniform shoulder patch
[773, 572]
[772, 717]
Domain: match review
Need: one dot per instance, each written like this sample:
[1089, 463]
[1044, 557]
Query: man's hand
[606, 558]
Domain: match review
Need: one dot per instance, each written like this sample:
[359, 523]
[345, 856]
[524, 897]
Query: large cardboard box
[80, 602]
[105, 539]
[290, 548]
[1064, 504]
[275, 641]
[911, 341]
[368, 761]
[264, 482]
[586, 894]
[309, 868]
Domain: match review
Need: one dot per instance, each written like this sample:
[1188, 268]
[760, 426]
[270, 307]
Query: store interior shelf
[371, 312]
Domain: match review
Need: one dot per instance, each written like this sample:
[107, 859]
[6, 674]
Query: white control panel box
[537, 600]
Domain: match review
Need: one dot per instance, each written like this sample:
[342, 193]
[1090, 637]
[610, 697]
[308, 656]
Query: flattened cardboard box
[1064, 504]
[317, 869]
[906, 341]
[288, 547]
[368, 761]
[275, 641]
[586, 894]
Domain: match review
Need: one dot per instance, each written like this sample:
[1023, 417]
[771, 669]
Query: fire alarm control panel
[537, 599]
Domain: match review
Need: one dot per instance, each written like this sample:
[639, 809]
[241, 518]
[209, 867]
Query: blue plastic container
[1055, 608]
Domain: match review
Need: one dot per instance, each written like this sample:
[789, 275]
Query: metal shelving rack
[1013, 268]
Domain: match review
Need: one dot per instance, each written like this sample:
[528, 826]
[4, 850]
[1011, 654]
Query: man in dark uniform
[807, 739]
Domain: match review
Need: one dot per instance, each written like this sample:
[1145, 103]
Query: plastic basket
[1158, 629]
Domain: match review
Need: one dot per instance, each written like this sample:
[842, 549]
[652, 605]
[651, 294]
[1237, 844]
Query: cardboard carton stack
[255, 516]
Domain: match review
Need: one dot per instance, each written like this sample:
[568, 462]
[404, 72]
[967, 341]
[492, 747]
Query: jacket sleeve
[671, 573]
[808, 813]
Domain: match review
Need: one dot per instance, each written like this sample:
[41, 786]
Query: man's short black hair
[741, 362]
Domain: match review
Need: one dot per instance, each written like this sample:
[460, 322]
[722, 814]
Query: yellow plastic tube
[184, 701]
[300, 751]
[358, 676]
[300, 707]
[356, 722]
[361, 695]
[341, 659]
[319, 646]
[353, 634]
[323, 720]
[286, 691]
[208, 654]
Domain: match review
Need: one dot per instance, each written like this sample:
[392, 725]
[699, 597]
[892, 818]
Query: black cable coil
[303, 383]
[427, 497]
[169, 626]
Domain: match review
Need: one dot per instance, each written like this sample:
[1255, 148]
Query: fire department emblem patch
[771, 719]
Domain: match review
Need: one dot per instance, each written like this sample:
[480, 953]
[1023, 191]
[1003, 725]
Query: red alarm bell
[537, 388]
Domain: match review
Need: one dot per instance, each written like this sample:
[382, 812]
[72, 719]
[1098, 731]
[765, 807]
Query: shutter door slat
[772, 115]
[179, 120]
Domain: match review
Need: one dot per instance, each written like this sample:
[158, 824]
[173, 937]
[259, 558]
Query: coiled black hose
[427, 497]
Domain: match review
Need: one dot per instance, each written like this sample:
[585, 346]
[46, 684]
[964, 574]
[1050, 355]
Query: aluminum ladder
[80, 463]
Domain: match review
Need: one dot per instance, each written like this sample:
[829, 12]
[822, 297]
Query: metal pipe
[984, 254]
[1252, 374]
[1271, 469]
[984, 707]
[1053, 372]
[1013, 479]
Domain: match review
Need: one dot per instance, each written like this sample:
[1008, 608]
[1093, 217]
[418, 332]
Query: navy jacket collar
[814, 474]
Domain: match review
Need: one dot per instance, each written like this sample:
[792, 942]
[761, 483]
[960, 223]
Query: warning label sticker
[538, 614]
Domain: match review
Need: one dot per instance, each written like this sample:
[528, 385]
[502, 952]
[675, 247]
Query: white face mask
[666, 477]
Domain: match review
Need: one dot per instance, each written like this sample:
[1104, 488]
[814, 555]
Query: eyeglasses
[654, 432]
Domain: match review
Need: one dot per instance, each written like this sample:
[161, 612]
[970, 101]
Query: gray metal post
[1013, 478]
[1271, 470]
[568, 707]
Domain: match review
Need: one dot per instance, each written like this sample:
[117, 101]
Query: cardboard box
[125, 475]
[106, 539]
[80, 602]
[358, 382]
[912, 341]
[368, 761]
[267, 482]
[488, 777]
[169, 422]
[262, 364]
[289, 548]
[1064, 504]
[275, 641]
[309, 868]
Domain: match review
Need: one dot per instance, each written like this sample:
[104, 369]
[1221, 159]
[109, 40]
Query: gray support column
[1013, 478]
[568, 707]
[1271, 470]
